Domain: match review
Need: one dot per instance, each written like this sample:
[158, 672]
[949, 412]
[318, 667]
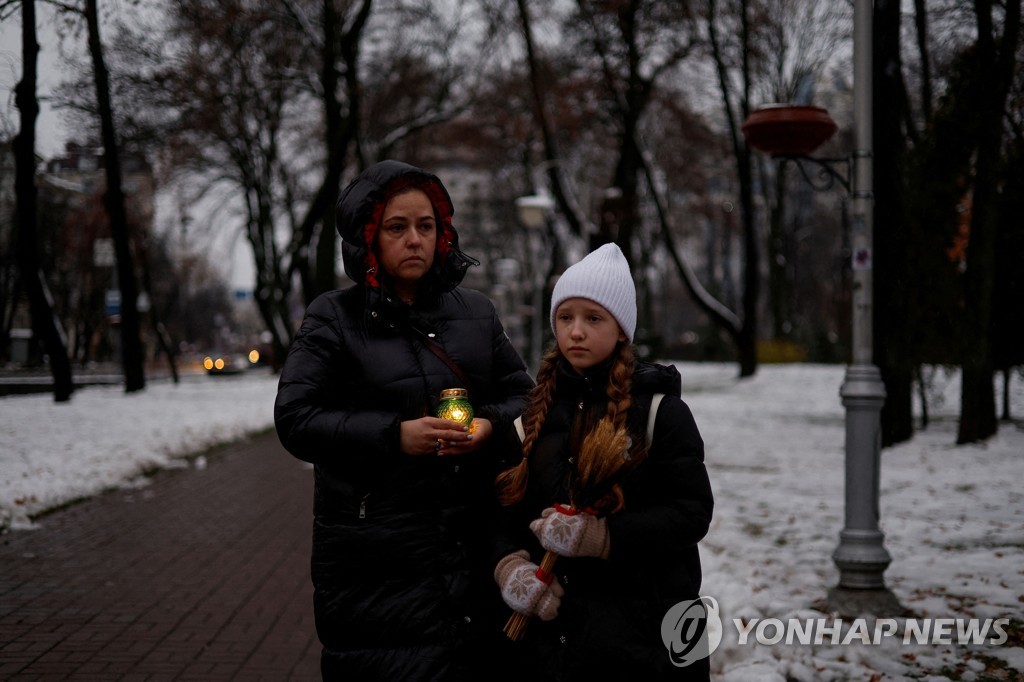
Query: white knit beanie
[603, 277]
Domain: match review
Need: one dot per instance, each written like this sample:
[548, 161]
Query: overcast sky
[50, 132]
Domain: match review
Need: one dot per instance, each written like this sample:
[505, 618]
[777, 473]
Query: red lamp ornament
[788, 129]
[791, 132]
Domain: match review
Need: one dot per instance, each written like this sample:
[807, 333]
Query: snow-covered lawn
[51, 454]
[953, 517]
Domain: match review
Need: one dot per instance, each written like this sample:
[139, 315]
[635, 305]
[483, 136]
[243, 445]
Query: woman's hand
[431, 435]
[480, 430]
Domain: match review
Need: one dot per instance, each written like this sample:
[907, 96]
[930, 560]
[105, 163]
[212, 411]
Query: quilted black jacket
[609, 623]
[397, 540]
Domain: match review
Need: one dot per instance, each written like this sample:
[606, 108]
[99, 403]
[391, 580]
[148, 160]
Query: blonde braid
[511, 483]
[620, 384]
[620, 399]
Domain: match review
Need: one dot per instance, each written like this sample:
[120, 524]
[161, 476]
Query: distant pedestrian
[623, 515]
[402, 498]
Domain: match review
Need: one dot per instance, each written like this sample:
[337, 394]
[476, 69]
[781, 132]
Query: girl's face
[406, 239]
[587, 333]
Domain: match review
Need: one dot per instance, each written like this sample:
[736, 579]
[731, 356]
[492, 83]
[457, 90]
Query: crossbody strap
[435, 348]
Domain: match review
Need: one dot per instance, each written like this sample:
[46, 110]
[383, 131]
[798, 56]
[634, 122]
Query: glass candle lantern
[455, 406]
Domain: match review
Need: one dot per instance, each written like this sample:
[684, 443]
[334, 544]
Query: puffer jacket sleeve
[672, 511]
[509, 383]
[310, 422]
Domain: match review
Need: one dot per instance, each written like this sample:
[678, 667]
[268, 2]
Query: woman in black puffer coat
[402, 499]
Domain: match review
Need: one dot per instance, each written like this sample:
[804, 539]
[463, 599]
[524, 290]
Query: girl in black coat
[628, 549]
[402, 498]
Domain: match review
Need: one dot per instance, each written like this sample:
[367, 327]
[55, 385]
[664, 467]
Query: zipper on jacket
[362, 506]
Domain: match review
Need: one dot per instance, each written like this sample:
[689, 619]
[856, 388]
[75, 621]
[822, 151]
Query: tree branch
[565, 200]
[715, 309]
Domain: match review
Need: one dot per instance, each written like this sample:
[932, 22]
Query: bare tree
[940, 167]
[636, 43]
[632, 50]
[44, 321]
[235, 78]
[133, 356]
[995, 66]
[891, 314]
[337, 35]
[735, 96]
[133, 353]
[565, 199]
[623, 52]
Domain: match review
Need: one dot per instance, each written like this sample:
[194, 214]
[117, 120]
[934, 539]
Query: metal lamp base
[861, 559]
[861, 556]
[848, 603]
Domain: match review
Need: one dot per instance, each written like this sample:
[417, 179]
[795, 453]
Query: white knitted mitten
[522, 590]
[572, 535]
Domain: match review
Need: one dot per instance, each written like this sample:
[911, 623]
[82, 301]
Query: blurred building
[488, 231]
[76, 246]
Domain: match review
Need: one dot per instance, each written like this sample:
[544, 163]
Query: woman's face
[406, 239]
[586, 332]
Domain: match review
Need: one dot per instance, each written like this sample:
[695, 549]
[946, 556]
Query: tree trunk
[326, 249]
[7, 315]
[563, 198]
[317, 271]
[891, 352]
[922, 395]
[751, 269]
[779, 289]
[751, 241]
[44, 321]
[1007, 374]
[163, 339]
[719, 313]
[113, 200]
[625, 182]
[745, 336]
[272, 286]
[276, 320]
[996, 62]
[635, 98]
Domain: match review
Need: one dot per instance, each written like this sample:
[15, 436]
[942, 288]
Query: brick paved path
[202, 575]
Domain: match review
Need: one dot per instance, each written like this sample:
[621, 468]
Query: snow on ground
[953, 517]
[51, 454]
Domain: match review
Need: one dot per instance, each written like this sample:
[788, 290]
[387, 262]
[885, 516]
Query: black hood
[651, 377]
[358, 216]
[648, 378]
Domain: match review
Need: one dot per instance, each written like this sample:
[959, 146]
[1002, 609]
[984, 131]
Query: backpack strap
[651, 416]
[519, 429]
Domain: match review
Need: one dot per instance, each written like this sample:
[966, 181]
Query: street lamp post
[861, 556]
[533, 213]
